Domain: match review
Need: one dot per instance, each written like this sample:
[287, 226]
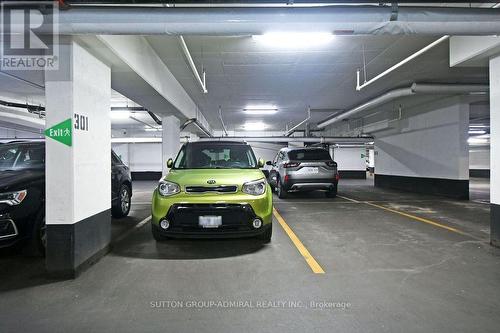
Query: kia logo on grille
[211, 181]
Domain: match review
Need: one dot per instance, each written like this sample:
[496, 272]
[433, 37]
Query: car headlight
[256, 187]
[167, 188]
[13, 198]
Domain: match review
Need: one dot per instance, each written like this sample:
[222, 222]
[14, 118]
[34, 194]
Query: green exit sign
[61, 132]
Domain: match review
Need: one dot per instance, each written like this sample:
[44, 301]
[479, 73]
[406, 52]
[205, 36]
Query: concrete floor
[392, 273]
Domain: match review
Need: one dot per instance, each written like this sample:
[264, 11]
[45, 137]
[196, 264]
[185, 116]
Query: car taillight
[337, 177]
[331, 163]
[287, 178]
[291, 165]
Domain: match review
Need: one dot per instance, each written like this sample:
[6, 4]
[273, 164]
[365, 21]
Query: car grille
[234, 216]
[217, 189]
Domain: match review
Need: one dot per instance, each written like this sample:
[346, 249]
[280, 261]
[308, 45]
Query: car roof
[302, 148]
[24, 143]
[217, 142]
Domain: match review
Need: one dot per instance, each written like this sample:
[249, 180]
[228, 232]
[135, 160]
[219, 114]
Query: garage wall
[479, 161]
[143, 159]
[351, 162]
[12, 134]
[426, 152]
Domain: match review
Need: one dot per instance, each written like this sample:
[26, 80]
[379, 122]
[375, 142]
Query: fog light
[164, 224]
[257, 223]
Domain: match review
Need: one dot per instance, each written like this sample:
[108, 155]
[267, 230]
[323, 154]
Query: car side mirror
[170, 163]
[261, 163]
[269, 163]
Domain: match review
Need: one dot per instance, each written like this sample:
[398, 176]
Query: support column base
[72, 248]
[451, 188]
[495, 225]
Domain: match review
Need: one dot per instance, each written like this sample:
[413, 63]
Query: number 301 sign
[81, 122]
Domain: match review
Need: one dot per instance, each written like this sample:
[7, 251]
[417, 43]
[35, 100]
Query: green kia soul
[213, 189]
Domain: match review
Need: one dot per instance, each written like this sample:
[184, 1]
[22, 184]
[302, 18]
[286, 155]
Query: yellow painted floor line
[315, 267]
[420, 219]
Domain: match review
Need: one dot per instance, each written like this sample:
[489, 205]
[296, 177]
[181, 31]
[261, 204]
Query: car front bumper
[237, 210]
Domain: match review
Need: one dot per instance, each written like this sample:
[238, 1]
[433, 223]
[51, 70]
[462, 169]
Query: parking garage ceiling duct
[415, 88]
[350, 20]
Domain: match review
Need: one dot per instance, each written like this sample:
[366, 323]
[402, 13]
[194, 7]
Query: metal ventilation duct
[365, 20]
[415, 88]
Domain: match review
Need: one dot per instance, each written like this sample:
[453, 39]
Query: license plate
[210, 221]
[310, 170]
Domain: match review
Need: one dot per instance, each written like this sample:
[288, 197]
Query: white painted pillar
[78, 175]
[495, 150]
[170, 140]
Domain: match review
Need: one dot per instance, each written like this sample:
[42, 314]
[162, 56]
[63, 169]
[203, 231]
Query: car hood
[221, 176]
[12, 180]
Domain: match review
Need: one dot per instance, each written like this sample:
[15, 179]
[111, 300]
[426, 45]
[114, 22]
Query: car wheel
[122, 207]
[265, 237]
[332, 193]
[157, 234]
[280, 190]
[38, 241]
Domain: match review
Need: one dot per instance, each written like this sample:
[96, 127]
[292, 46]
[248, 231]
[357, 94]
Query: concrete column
[427, 150]
[78, 171]
[495, 150]
[170, 140]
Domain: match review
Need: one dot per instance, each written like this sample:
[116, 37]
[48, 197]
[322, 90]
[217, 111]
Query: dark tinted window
[215, 156]
[309, 155]
[13, 156]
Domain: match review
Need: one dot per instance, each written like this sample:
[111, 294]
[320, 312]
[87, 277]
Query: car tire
[122, 207]
[282, 194]
[38, 241]
[157, 234]
[332, 193]
[266, 236]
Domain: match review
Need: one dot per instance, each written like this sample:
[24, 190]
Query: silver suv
[303, 169]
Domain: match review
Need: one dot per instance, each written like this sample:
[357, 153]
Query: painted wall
[431, 143]
[479, 158]
[350, 158]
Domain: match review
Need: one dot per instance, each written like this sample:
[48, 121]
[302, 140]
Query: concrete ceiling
[242, 72]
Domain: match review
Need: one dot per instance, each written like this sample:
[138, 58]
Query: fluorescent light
[477, 140]
[260, 110]
[255, 126]
[119, 114]
[134, 140]
[294, 39]
[477, 132]
[152, 129]
[479, 126]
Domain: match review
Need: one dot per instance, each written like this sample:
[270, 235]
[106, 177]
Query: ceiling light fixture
[119, 115]
[477, 132]
[152, 129]
[255, 126]
[294, 39]
[260, 110]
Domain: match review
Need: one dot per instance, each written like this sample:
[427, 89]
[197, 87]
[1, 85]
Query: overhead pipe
[399, 64]
[197, 124]
[352, 20]
[415, 88]
[291, 130]
[286, 139]
[222, 121]
[187, 54]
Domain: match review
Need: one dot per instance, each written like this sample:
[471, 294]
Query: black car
[22, 193]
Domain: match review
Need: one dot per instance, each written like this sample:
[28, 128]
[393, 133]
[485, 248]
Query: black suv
[22, 193]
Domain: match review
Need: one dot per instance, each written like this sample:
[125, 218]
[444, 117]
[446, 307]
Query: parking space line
[420, 219]
[313, 264]
[348, 199]
[131, 230]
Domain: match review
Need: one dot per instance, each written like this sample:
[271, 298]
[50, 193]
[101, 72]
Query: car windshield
[309, 155]
[215, 156]
[18, 156]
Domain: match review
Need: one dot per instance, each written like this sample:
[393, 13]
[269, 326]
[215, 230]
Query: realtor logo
[30, 38]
